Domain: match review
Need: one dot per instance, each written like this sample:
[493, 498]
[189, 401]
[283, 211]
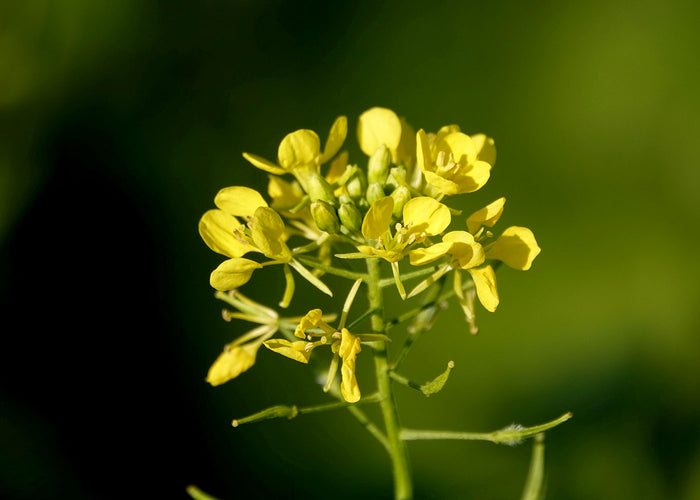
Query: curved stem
[403, 487]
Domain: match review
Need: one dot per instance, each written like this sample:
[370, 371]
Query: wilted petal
[516, 247]
[293, 350]
[349, 348]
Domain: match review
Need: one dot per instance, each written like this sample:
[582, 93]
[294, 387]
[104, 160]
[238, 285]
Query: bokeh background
[121, 120]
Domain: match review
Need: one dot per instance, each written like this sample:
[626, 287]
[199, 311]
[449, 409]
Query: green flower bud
[378, 165]
[350, 217]
[400, 195]
[357, 185]
[319, 189]
[325, 217]
[397, 176]
[375, 191]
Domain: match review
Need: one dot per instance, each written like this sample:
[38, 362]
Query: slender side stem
[510, 435]
[343, 273]
[403, 487]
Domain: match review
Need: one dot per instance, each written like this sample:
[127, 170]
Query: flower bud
[397, 176]
[350, 217]
[325, 217]
[357, 185]
[375, 191]
[319, 189]
[400, 195]
[378, 165]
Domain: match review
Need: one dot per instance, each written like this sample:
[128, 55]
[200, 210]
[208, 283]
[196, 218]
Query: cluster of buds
[391, 206]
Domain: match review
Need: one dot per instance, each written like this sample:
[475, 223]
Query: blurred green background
[121, 120]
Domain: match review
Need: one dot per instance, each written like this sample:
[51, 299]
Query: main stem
[403, 487]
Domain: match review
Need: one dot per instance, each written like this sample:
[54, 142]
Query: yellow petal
[267, 229]
[349, 348]
[516, 247]
[421, 256]
[264, 164]
[487, 216]
[425, 214]
[377, 218]
[485, 283]
[485, 147]
[405, 154]
[460, 145]
[285, 195]
[232, 362]
[443, 185]
[216, 229]
[465, 251]
[445, 131]
[423, 157]
[240, 201]
[337, 167]
[299, 148]
[232, 273]
[293, 350]
[336, 137]
[378, 126]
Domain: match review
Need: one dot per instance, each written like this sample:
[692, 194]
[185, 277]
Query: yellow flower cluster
[323, 206]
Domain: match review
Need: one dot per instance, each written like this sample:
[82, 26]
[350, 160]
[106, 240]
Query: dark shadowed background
[120, 121]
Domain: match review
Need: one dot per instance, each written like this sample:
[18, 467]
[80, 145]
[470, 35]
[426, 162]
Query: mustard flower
[315, 331]
[239, 355]
[381, 126]
[300, 153]
[422, 217]
[451, 165]
[264, 232]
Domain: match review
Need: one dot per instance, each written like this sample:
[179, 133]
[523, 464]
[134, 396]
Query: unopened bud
[397, 176]
[325, 217]
[350, 217]
[378, 165]
[356, 185]
[319, 189]
[400, 195]
[375, 191]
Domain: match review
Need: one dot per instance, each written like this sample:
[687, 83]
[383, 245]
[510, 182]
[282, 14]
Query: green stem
[343, 273]
[510, 435]
[403, 487]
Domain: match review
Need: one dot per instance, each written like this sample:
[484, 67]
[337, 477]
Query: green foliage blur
[121, 120]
